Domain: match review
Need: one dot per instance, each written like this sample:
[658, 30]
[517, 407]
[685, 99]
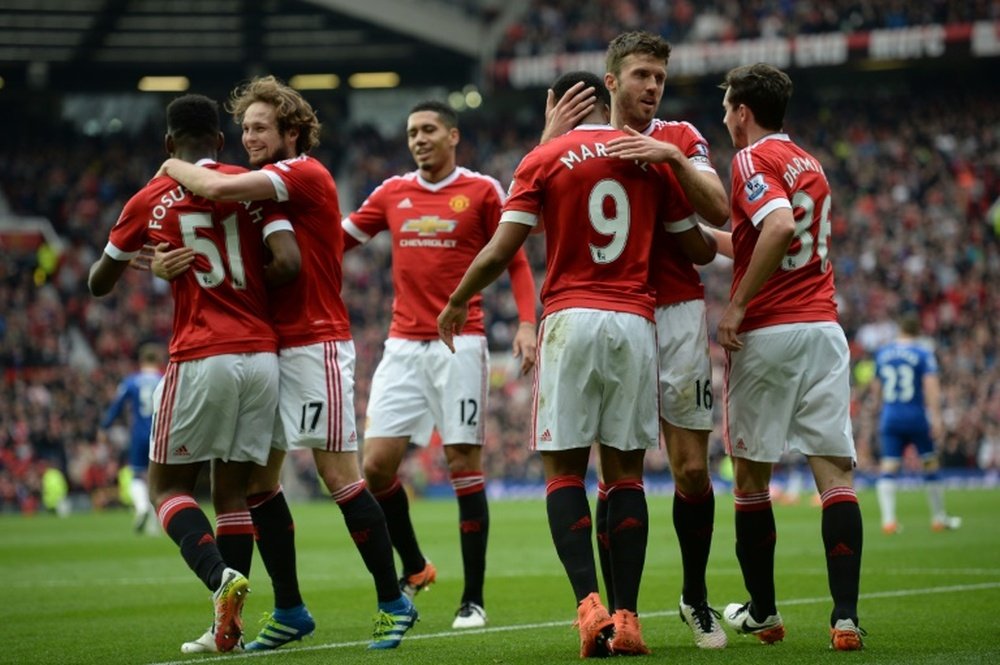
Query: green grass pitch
[87, 590]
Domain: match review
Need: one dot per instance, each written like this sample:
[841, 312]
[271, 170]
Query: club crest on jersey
[755, 187]
[429, 225]
[459, 202]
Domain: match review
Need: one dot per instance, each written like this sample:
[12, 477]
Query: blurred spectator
[560, 26]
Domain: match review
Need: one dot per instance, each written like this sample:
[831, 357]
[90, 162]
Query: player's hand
[729, 325]
[526, 346]
[451, 320]
[937, 431]
[564, 114]
[142, 260]
[169, 263]
[162, 170]
[639, 147]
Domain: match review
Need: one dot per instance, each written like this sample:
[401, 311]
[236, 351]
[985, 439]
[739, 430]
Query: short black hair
[764, 89]
[447, 114]
[909, 323]
[193, 118]
[589, 79]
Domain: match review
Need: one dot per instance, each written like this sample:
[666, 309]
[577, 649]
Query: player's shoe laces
[595, 625]
[409, 585]
[281, 627]
[846, 636]
[228, 600]
[627, 638]
[469, 615]
[768, 631]
[946, 524]
[206, 644]
[391, 622]
[703, 621]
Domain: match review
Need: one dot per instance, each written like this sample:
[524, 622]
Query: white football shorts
[596, 381]
[220, 407]
[789, 388]
[686, 395]
[419, 383]
[316, 399]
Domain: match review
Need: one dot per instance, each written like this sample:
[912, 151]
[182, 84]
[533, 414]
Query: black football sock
[570, 525]
[604, 543]
[694, 521]
[474, 528]
[366, 523]
[396, 507]
[234, 536]
[755, 540]
[842, 540]
[183, 520]
[628, 533]
[275, 534]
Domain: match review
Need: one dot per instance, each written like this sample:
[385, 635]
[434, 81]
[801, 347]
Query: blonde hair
[290, 108]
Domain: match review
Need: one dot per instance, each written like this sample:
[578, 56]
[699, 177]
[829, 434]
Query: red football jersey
[672, 274]
[310, 310]
[598, 214]
[220, 304]
[437, 230]
[775, 173]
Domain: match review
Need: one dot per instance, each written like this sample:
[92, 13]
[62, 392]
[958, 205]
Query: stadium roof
[108, 44]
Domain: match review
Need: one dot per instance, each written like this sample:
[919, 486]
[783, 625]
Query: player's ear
[610, 82]
[220, 141]
[168, 144]
[454, 136]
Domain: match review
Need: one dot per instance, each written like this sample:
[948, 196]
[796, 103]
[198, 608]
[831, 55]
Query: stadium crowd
[916, 226]
[560, 26]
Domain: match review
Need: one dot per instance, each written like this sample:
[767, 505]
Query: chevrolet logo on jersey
[429, 225]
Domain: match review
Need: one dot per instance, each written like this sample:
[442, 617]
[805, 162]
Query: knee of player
[691, 477]
[889, 466]
[378, 472]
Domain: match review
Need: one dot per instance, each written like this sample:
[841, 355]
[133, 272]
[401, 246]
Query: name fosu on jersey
[179, 194]
[590, 151]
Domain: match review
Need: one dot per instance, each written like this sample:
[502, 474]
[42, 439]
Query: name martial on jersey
[584, 152]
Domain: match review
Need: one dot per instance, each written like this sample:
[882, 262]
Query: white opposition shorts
[686, 395]
[789, 388]
[596, 382]
[220, 407]
[420, 383]
[317, 398]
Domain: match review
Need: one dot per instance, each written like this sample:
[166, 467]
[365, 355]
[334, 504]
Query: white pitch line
[899, 593]
[146, 581]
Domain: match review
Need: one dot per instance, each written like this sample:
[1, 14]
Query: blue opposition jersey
[901, 366]
[136, 391]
